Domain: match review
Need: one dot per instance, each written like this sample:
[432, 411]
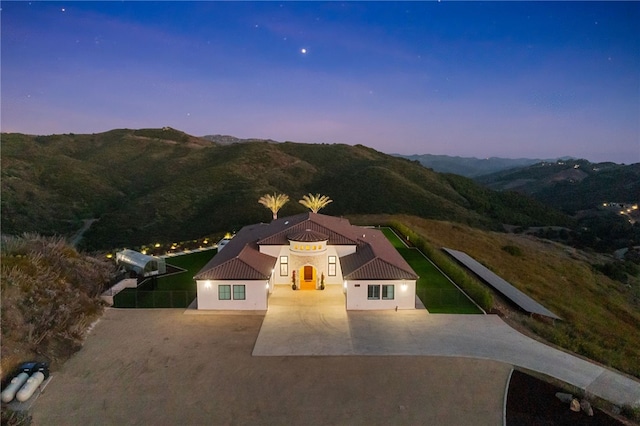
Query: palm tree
[315, 202]
[274, 202]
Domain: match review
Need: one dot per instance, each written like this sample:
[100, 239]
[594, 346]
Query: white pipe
[16, 383]
[30, 387]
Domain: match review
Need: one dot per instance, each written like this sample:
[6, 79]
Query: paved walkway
[316, 323]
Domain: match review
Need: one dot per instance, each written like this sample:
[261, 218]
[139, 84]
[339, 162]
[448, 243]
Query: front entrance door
[308, 278]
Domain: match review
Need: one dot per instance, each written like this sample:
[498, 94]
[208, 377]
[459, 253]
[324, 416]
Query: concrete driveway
[309, 323]
[161, 367]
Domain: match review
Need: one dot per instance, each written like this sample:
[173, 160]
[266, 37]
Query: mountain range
[471, 166]
[150, 184]
[571, 185]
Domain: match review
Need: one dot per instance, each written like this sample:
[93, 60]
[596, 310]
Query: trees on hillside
[274, 202]
[315, 202]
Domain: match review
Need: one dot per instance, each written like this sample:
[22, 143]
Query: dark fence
[134, 298]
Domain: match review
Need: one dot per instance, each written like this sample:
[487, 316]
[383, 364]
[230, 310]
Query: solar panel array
[505, 288]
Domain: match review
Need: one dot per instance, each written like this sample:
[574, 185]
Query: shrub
[50, 293]
[614, 270]
[15, 418]
[513, 250]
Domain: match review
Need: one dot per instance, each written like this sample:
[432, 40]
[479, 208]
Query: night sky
[508, 79]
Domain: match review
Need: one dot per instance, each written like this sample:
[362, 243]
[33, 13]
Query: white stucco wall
[255, 295]
[403, 298]
[296, 261]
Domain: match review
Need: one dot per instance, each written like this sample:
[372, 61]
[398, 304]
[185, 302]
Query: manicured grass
[435, 290]
[192, 263]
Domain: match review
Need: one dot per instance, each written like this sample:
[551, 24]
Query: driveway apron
[307, 323]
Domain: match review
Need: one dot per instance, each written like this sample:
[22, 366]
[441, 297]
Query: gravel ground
[162, 367]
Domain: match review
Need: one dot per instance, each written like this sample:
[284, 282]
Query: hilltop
[151, 184]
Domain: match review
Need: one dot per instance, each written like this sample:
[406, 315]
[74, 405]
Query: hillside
[571, 185]
[50, 295]
[162, 184]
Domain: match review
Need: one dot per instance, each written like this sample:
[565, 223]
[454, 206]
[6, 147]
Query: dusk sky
[507, 79]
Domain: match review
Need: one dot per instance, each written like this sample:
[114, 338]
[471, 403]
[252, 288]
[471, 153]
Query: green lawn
[192, 263]
[435, 290]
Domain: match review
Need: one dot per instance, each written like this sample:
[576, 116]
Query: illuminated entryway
[308, 278]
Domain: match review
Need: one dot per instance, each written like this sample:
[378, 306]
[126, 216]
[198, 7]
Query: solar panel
[509, 291]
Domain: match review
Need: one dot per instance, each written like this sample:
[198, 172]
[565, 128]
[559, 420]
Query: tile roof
[307, 236]
[375, 257]
[240, 258]
[339, 230]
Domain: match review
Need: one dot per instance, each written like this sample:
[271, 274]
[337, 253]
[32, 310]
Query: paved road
[316, 323]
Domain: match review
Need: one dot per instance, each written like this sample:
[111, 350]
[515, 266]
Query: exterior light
[207, 284]
[345, 283]
[109, 256]
[404, 287]
[267, 285]
[157, 245]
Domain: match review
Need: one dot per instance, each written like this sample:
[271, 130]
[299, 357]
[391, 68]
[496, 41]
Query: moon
[303, 50]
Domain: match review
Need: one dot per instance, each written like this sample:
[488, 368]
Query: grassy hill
[162, 184]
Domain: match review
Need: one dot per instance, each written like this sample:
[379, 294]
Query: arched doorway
[308, 278]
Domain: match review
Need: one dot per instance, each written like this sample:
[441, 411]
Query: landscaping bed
[531, 401]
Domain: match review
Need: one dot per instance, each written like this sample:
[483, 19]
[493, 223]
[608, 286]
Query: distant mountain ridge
[471, 166]
[228, 140]
[571, 185]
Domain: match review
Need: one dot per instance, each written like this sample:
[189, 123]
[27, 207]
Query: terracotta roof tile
[307, 236]
[375, 257]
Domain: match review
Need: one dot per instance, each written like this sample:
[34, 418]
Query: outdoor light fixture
[267, 285]
[345, 284]
[207, 284]
[404, 287]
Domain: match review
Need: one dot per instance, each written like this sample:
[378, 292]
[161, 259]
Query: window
[224, 292]
[238, 292]
[387, 292]
[284, 266]
[373, 292]
[332, 266]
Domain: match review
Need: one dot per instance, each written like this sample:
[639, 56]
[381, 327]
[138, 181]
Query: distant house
[310, 250]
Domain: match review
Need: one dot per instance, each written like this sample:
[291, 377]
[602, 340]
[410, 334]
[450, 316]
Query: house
[309, 250]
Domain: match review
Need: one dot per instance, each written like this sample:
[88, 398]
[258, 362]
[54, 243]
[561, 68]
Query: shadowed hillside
[162, 184]
[571, 185]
